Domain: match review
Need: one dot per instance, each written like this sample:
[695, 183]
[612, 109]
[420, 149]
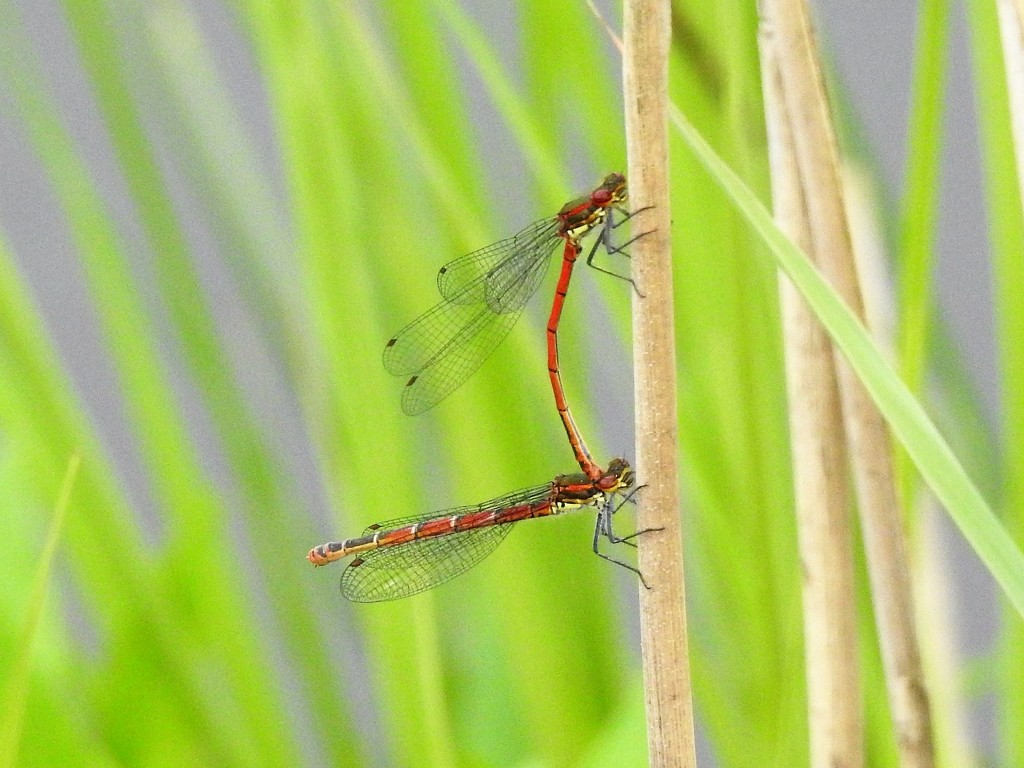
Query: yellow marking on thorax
[587, 224]
[569, 505]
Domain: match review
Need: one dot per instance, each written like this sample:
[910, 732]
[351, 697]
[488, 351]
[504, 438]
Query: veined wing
[392, 572]
[443, 347]
[488, 271]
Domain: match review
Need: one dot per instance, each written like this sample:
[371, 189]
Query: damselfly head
[619, 475]
[614, 186]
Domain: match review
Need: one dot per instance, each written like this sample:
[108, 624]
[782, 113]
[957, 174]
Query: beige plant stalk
[668, 697]
[819, 468]
[1011, 32]
[803, 104]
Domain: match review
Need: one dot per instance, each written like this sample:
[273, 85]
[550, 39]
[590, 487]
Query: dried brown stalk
[1011, 32]
[819, 469]
[807, 115]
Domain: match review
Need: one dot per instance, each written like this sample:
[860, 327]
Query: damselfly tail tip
[316, 556]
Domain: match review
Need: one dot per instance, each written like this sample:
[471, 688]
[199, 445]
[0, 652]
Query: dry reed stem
[942, 658]
[868, 439]
[1011, 31]
[933, 583]
[663, 637]
[819, 471]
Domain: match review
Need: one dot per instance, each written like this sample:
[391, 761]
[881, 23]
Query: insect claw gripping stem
[603, 529]
[605, 239]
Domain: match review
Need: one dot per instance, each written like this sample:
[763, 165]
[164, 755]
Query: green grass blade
[126, 322]
[277, 543]
[15, 693]
[920, 209]
[1005, 211]
[534, 141]
[179, 482]
[920, 205]
[218, 155]
[733, 429]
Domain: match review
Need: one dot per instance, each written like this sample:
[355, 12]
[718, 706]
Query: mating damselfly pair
[483, 295]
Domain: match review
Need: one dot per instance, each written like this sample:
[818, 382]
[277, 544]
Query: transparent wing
[401, 570]
[475, 276]
[444, 346]
[393, 572]
[465, 351]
